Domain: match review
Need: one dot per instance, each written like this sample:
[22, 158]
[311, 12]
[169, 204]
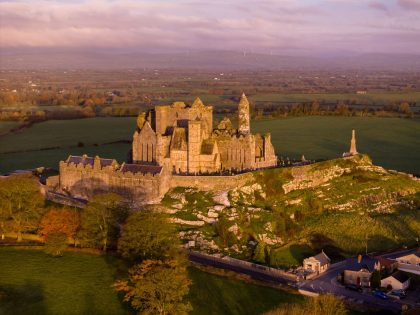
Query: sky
[300, 27]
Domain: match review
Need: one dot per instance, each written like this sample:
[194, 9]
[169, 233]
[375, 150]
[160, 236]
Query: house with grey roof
[397, 281]
[318, 263]
[359, 270]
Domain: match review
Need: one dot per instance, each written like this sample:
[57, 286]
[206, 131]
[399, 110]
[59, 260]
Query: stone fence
[206, 183]
[254, 270]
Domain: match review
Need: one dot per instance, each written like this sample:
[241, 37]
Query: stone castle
[172, 144]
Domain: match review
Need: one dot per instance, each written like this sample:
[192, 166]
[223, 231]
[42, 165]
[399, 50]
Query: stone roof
[322, 258]
[400, 276]
[140, 168]
[367, 262]
[85, 160]
[106, 162]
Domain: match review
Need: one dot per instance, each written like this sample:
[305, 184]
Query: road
[327, 283]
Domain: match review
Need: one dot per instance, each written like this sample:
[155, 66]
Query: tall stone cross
[353, 150]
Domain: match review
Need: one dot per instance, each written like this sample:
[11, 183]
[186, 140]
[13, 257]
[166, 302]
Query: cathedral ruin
[170, 142]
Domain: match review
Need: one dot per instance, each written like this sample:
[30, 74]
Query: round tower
[243, 115]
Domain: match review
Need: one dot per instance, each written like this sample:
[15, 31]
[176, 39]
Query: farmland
[391, 142]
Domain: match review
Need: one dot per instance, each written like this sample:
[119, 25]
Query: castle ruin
[170, 141]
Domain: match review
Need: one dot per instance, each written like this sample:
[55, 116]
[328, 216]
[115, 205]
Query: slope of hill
[340, 205]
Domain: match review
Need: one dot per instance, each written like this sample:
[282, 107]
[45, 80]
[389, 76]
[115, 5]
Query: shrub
[55, 244]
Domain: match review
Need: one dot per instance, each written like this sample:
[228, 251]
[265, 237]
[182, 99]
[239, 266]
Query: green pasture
[369, 98]
[372, 99]
[391, 142]
[31, 282]
[6, 126]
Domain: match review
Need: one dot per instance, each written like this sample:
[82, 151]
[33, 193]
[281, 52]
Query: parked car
[380, 294]
[397, 294]
[353, 287]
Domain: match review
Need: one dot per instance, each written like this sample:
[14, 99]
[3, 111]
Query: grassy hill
[340, 205]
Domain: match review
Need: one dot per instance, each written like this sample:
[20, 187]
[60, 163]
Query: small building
[397, 281]
[410, 263]
[359, 270]
[318, 263]
[388, 266]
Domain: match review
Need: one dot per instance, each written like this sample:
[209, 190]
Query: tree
[157, 287]
[376, 279]
[259, 253]
[323, 305]
[55, 243]
[404, 108]
[146, 235]
[64, 221]
[21, 204]
[221, 228]
[101, 219]
[314, 107]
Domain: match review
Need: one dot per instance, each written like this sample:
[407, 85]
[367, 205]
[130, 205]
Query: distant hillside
[10, 59]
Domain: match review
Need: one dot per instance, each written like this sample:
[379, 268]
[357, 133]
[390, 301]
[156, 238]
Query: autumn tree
[21, 204]
[157, 287]
[404, 108]
[146, 235]
[65, 221]
[101, 219]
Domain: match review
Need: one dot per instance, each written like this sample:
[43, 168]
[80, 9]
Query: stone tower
[353, 150]
[194, 146]
[243, 115]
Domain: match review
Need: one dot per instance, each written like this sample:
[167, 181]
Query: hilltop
[277, 216]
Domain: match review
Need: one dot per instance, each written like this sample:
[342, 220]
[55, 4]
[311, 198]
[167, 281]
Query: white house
[409, 263]
[318, 263]
[398, 281]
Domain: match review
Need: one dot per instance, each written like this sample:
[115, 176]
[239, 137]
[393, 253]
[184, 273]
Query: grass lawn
[391, 142]
[211, 294]
[32, 282]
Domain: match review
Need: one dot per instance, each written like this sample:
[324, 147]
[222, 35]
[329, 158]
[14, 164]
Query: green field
[6, 126]
[391, 142]
[31, 282]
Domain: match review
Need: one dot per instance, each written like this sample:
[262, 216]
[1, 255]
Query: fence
[257, 271]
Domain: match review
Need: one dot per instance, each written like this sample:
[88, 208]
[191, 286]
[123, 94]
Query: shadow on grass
[16, 299]
[321, 242]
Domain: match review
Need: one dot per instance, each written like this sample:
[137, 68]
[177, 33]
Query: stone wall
[211, 183]
[84, 181]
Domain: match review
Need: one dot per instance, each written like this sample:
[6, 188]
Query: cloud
[281, 26]
[409, 4]
[378, 6]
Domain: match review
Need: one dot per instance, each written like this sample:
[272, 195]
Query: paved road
[327, 283]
